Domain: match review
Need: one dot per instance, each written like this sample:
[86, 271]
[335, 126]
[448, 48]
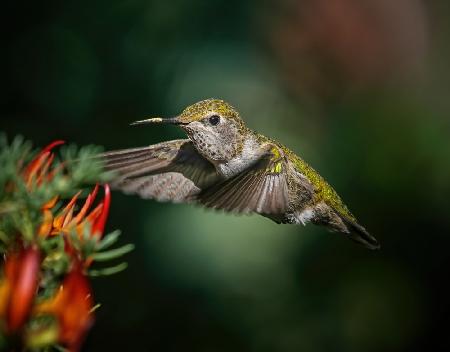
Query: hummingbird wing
[262, 188]
[169, 171]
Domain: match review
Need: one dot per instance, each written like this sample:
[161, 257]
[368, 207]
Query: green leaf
[108, 271]
[108, 240]
[113, 253]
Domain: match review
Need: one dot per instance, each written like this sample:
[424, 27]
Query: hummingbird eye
[214, 120]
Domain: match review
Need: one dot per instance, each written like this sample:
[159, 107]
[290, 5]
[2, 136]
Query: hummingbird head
[214, 127]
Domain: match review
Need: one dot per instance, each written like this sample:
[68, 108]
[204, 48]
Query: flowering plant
[51, 234]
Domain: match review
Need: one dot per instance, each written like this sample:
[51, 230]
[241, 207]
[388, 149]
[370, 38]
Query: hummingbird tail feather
[337, 221]
[360, 235]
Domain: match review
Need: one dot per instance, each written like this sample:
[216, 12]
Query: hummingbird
[224, 165]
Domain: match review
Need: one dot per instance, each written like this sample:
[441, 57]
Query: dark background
[360, 89]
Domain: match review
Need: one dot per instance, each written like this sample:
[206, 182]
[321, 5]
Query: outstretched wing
[169, 171]
[262, 188]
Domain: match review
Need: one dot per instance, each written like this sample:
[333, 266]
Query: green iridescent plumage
[323, 190]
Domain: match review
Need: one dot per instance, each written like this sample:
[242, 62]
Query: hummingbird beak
[171, 120]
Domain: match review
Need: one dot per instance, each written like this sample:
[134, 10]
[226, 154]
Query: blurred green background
[360, 89]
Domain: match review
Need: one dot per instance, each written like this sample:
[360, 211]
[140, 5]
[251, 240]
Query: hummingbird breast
[249, 154]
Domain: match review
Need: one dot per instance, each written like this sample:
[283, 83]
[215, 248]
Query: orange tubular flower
[75, 309]
[99, 224]
[38, 168]
[72, 306]
[21, 280]
[66, 220]
[72, 303]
